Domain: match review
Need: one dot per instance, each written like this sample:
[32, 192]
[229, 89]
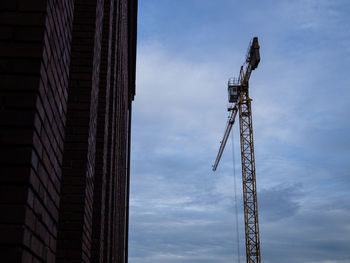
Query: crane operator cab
[233, 90]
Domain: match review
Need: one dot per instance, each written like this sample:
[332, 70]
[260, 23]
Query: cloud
[279, 202]
[183, 212]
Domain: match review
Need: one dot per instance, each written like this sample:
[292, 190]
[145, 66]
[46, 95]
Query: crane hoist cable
[235, 190]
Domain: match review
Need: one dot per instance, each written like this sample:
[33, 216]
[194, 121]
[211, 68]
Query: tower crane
[238, 96]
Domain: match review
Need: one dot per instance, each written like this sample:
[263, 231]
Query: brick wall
[120, 142]
[67, 72]
[34, 51]
[102, 132]
[75, 228]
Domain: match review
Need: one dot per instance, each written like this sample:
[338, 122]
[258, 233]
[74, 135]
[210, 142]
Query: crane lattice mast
[238, 90]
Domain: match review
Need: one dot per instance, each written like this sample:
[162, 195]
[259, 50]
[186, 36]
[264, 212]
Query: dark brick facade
[67, 81]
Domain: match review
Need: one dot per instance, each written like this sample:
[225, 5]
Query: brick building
[67, 82]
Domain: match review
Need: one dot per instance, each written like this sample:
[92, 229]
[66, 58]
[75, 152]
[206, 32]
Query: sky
[182, 211]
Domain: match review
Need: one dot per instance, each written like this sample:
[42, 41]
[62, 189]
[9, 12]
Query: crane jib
[230, 122]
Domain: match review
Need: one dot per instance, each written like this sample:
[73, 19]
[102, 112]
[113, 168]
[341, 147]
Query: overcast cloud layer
[180, 210]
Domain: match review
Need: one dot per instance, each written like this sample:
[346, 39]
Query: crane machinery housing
[238, 95]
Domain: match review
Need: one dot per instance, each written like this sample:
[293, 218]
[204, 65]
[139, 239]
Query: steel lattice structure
[238, 90]
[248, 179]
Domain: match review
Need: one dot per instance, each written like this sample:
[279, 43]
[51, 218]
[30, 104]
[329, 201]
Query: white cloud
[181, 211]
